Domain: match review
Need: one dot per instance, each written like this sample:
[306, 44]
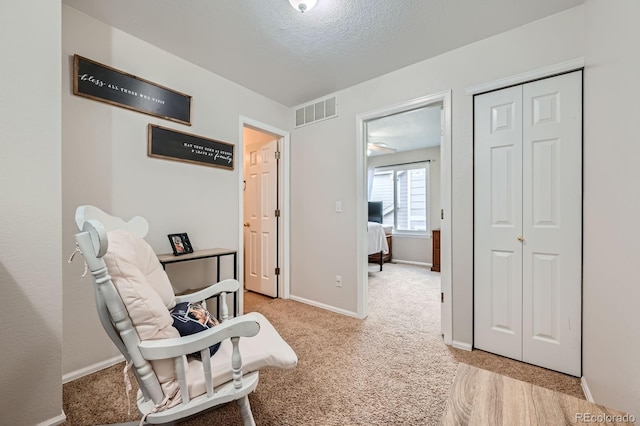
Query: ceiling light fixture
[303, 5]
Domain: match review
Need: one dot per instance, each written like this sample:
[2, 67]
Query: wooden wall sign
[103, 83]
[179, 146]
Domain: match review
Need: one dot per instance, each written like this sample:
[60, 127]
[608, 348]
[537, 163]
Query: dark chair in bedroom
[375, 211]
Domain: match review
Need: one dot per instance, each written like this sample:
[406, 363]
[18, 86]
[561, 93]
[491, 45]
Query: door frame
[362, 287]
[283, 202]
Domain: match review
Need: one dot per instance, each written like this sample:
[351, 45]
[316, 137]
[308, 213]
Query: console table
[169, 258]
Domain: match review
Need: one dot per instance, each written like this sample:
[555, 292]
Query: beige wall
[30, 257]
[105, 163]
[611, 287]
[550, 41]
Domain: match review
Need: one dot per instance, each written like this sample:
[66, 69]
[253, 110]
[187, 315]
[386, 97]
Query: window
[403, 190]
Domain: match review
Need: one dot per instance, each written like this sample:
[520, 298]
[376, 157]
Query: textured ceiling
[293, 58]
[406, 131]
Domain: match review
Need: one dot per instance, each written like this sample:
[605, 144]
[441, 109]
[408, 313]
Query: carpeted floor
[391, 368]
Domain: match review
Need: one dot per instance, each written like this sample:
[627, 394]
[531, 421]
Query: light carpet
[390, 369]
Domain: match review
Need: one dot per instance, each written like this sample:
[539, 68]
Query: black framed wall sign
[179, 146]
[106, 84]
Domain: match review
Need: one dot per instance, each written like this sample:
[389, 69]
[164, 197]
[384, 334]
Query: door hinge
[277, 213]
[442, 214]
[277, 155]
[441, 297]
[277, 271]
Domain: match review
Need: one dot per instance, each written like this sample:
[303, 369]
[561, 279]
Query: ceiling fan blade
[380, 148]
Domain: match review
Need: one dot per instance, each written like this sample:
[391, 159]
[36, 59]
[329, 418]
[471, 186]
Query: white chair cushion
[141, 282]
[147, 294]
[266, 349]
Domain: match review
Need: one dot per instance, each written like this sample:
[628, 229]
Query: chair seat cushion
[266, 349]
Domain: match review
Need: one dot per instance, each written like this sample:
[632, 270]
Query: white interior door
[552, 223]
[498, 223]
[528, 222]
[260, 200]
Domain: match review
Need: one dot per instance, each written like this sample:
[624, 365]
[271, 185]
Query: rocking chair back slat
[182, 378]
[205, 356]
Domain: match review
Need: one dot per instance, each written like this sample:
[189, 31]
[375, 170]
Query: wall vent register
[316, 111]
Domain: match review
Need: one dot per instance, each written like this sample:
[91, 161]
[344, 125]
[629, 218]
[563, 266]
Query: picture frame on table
[180, 244]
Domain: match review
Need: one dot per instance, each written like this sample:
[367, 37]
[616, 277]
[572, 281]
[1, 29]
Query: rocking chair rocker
[134, 299]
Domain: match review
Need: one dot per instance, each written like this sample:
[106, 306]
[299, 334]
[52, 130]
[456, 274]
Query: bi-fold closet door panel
[498, 223]
[528, 222]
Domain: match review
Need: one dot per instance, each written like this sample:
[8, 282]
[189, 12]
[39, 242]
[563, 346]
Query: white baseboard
[57, 420]
[585, 389]
[461, 345]
[92, 369]
[323, 306]
[410, 262]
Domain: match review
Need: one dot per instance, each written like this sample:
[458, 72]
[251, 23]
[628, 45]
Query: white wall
[30, 259]
[314, 266]
[611, 288]
[105, 163]
[409, 247]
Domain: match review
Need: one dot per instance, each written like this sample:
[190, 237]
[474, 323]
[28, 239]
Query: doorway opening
[264, 201]
[399, 164]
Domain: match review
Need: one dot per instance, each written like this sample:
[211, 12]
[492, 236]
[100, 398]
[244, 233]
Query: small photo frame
[180, 244]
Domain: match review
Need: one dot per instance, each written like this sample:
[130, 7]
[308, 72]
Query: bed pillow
[190, 318]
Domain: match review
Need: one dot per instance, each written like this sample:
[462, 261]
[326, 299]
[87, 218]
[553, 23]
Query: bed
[377, 240]
[376, 232]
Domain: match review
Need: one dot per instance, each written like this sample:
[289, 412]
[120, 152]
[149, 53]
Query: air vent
[316, 111]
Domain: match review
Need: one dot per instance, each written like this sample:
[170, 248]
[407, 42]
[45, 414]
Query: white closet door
[552, 222]
[498, 223]
[528, 222]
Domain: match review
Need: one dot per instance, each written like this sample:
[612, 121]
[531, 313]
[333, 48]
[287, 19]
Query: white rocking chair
[134, 297]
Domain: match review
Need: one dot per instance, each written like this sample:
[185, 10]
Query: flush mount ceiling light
[303, 5]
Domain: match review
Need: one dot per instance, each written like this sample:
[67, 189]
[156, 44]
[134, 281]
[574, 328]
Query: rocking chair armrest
[178, 346]
[225, 286]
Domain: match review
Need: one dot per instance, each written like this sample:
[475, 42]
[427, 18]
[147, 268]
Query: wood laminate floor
[480, 397]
